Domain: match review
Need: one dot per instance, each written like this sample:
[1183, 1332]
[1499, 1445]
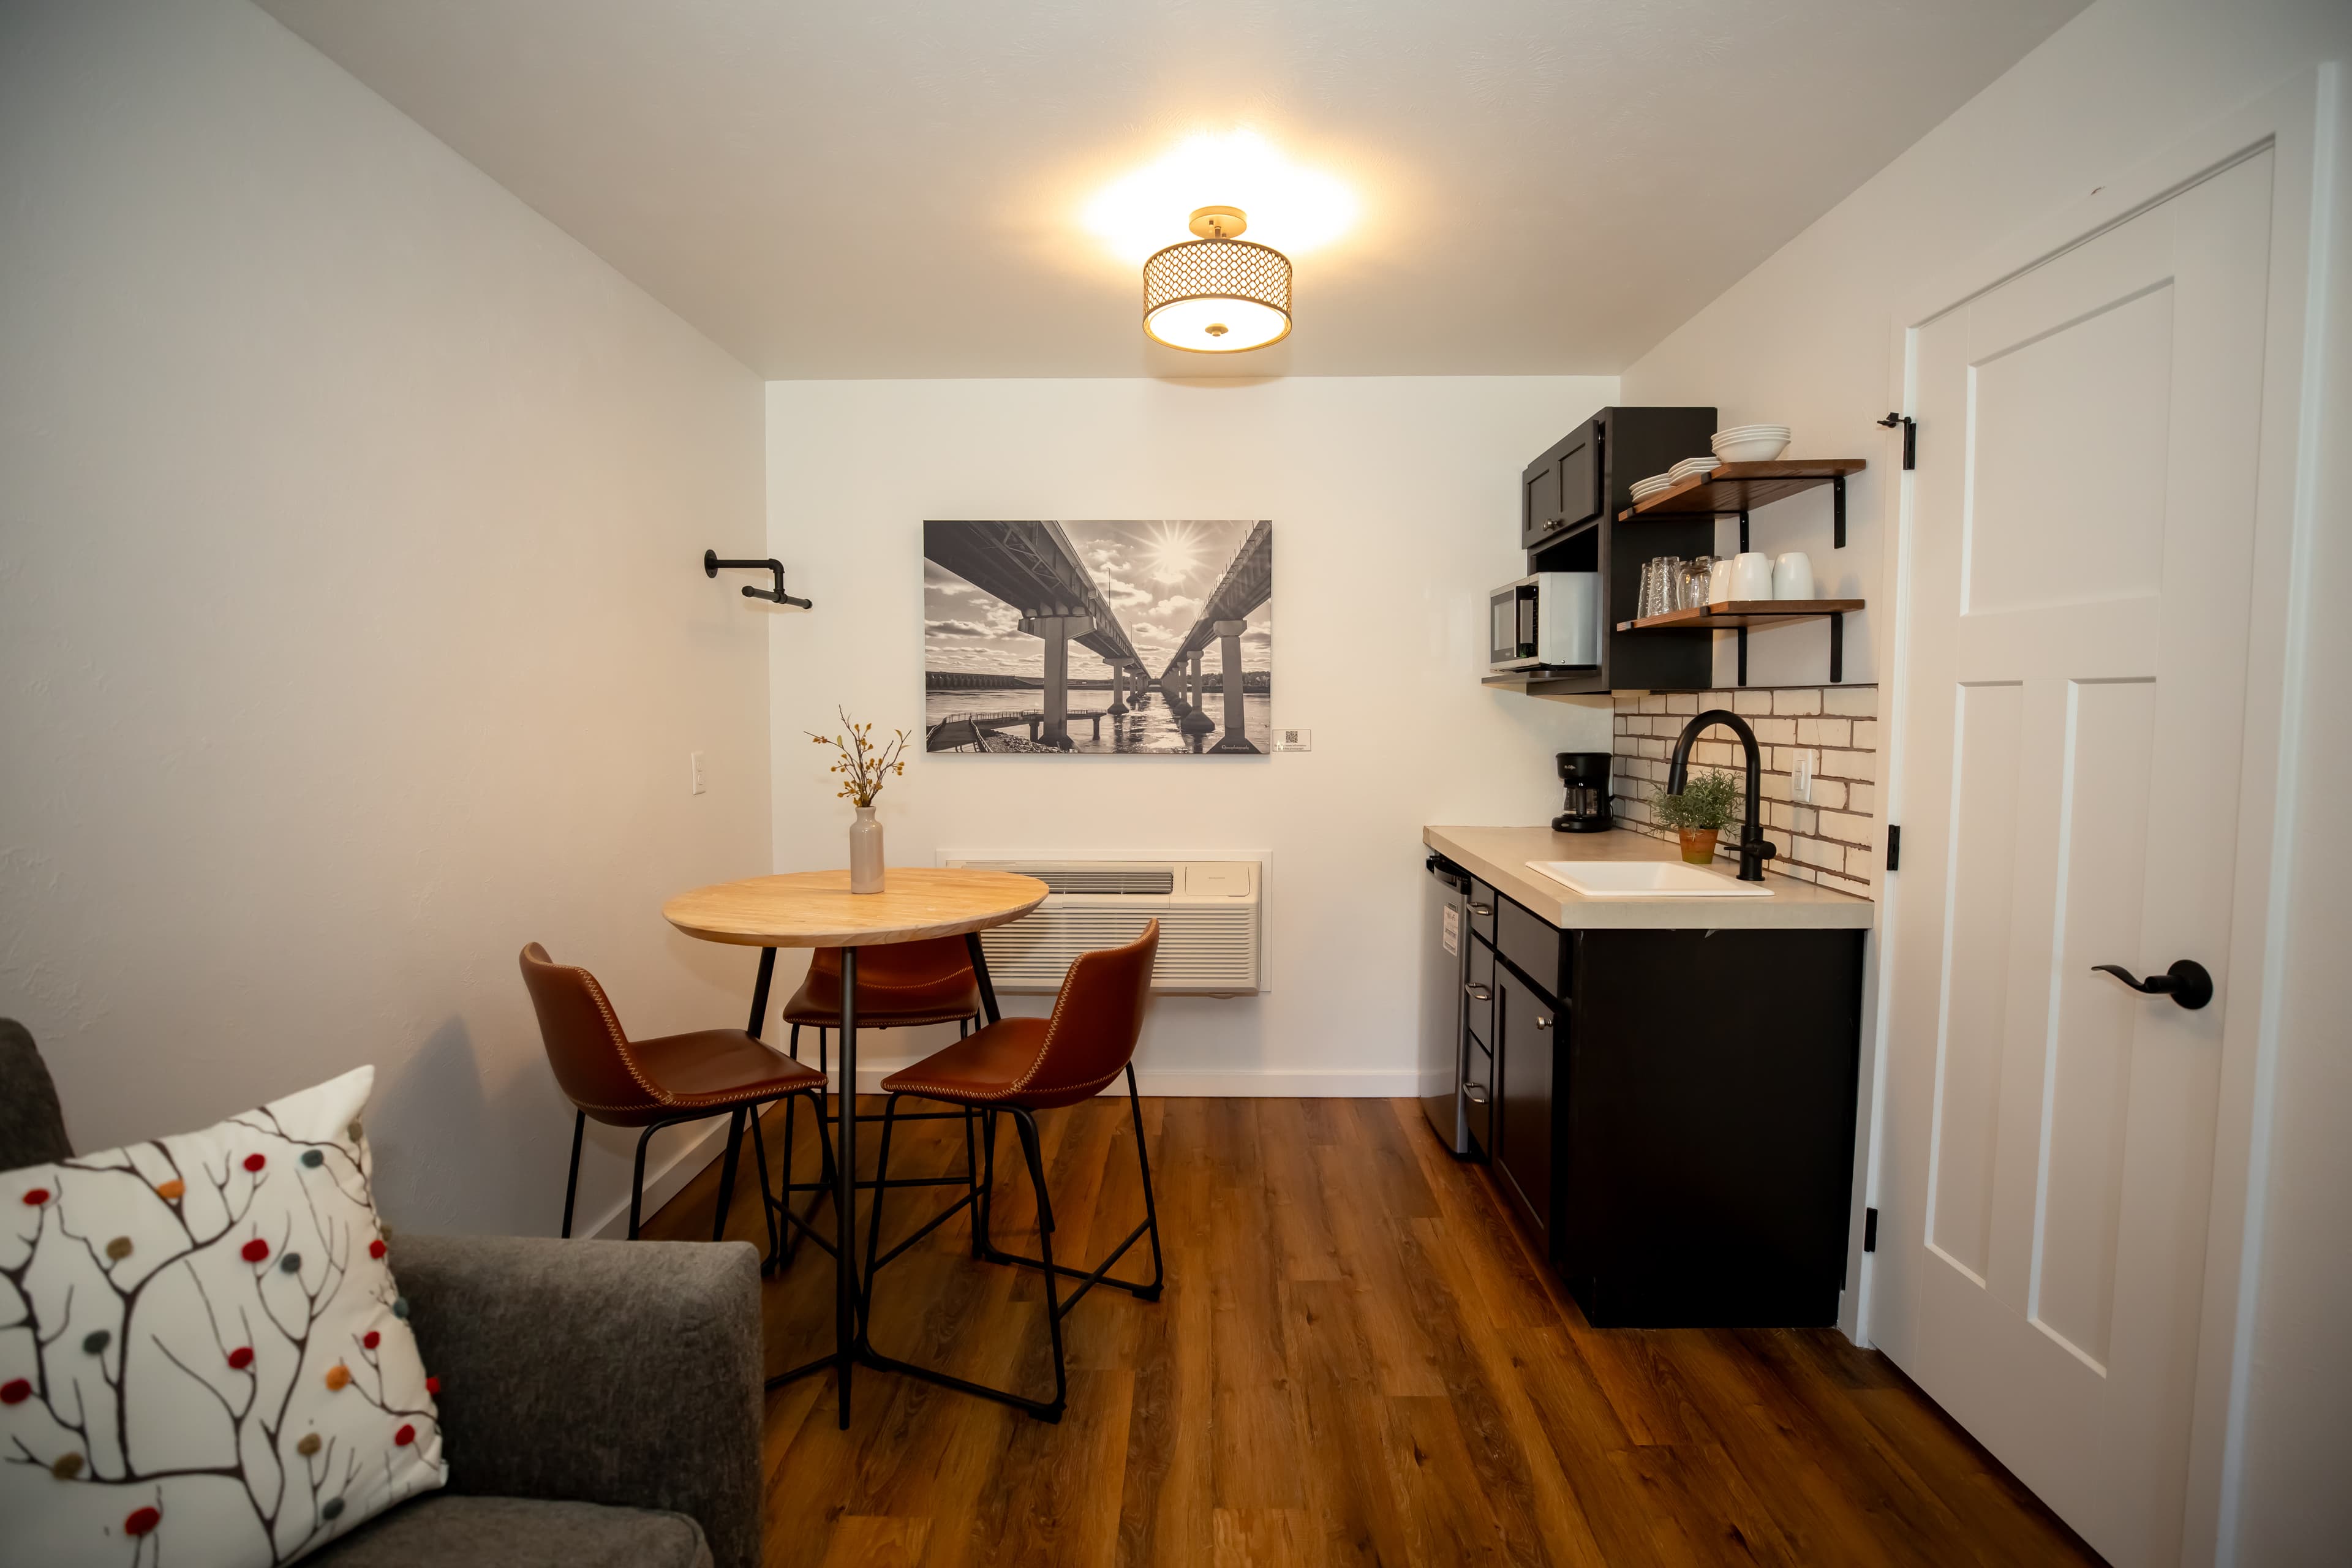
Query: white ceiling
[877, 188]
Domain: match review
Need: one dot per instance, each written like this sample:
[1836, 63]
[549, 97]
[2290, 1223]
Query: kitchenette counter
[1500, 856]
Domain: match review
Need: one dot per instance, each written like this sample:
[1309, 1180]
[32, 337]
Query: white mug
[1792, 577]
[1718, 580]
[1752, 575]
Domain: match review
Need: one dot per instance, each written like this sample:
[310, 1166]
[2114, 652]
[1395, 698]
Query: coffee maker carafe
[1585, 775]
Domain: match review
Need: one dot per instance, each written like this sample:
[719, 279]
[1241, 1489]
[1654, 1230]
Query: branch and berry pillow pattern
[204, 1360]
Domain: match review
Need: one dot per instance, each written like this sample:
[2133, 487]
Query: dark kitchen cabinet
[1528, 1025]
[1673, 1116]
[1569, 499]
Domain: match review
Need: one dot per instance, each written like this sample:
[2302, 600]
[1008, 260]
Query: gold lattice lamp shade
[1217, 294]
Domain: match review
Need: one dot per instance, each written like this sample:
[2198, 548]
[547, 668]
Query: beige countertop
[1500, 856]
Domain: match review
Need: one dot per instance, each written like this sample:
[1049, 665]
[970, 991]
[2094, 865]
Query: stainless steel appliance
[1585, 777]
[1549, 620]
[1445, 975]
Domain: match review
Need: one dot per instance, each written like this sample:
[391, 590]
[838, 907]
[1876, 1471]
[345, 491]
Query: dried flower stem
[864, 766]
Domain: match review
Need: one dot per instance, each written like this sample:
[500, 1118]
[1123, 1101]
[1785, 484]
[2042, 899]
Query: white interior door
[2077, 579]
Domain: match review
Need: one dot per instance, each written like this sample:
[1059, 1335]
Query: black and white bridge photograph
[1144, 638]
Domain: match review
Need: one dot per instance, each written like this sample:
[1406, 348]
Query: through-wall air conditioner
[1211, 915]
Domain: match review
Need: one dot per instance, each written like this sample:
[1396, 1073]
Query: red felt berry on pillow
[36, 1196]
[16, 1391]
[254, 1251]
[255, 1161]
[375, 1248]
[405, 1436]
[140, 1521]
[432, 1385]
[240, 1358]
[371, 1339]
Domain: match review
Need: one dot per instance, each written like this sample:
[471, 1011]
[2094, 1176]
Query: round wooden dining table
[816, 909]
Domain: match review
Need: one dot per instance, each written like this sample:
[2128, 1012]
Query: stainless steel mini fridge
[1444, 973]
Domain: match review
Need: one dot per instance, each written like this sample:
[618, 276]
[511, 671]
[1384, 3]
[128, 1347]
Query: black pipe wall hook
[711, 563]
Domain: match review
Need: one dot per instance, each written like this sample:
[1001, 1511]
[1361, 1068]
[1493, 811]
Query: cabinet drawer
[1478, 1094]
[1483, 904]
[1539, 951]
[1480, 1006]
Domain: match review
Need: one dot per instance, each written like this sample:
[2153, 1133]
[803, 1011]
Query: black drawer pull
[1479, 992]
[1475, 1093]
[1482, 910]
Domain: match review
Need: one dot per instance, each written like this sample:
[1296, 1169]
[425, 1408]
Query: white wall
[1394, 504]
[351, 609]
[1805, 339]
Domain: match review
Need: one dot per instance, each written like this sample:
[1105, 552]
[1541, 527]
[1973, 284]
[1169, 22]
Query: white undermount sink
[1646, 879]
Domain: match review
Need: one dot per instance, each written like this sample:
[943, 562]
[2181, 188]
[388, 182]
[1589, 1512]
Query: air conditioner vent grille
[1210, 915]
[1072, 880]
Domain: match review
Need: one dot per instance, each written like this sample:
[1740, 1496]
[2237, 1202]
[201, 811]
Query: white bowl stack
[1751, 443]
[1690, 467]
[1645, 488]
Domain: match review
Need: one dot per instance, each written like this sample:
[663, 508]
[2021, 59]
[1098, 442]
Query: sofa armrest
[608, 1372]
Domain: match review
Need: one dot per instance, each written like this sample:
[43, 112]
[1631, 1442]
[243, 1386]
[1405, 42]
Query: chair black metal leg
[1150, 1209]
[572, 1183]
[793, 1048]
[1030, 1149]
[767, 1198]
[874, 1223]
[637, 1178]
[727, 1173]
[971, 1174]
[981, 1245]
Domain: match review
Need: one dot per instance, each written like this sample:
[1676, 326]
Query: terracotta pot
[865, 853]
[1698, 845]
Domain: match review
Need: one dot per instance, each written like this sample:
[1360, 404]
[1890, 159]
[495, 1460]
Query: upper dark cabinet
[1562, 489]
[1569, 502]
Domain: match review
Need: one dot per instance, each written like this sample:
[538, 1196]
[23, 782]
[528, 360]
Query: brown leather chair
[658, 1083]
[900, 985]
[1023, 1066]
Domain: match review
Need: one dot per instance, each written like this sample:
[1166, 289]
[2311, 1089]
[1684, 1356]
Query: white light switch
[694, 760]
[1801, 785]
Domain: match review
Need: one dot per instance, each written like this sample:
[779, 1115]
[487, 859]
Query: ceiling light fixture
[1218, 294]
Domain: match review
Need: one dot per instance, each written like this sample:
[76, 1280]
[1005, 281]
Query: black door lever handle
[2186, 982]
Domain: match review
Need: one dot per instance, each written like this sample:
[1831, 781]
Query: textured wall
[350, 610]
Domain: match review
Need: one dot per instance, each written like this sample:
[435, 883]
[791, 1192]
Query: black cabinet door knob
[2186, 982]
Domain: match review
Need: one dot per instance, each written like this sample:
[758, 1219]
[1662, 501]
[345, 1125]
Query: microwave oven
[1551, 620]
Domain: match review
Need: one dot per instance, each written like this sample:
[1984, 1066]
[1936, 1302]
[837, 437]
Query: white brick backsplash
[1827, 840]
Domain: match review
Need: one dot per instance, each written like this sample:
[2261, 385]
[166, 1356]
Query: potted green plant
[1707, 807]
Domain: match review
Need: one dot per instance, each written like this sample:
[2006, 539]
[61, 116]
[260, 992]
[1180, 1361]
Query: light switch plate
[700, 784]
[1801, 784]
[1294, 740]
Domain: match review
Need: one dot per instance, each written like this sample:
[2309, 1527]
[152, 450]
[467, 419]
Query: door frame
[2296, 120]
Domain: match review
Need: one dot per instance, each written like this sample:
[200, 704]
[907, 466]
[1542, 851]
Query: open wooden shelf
[1555, 680]
[1732, 612]
[1735, 488]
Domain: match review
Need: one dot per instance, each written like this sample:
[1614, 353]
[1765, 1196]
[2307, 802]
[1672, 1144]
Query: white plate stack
[1690, 467]
[1645, 488]
[1751, 443]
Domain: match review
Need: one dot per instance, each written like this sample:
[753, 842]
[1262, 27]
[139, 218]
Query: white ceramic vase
[865, 853]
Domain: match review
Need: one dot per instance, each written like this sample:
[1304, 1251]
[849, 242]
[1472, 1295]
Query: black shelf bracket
[1743, 531]
[1910, 436]
[1743, 653]
[1837, 512]
[711, 563]
[1837, 648]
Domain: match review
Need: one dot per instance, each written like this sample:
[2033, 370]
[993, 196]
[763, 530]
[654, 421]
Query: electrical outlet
[1801, 785]
[1294, 740]
[694, 765]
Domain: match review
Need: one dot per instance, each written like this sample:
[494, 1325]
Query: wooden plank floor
[1356, 1361]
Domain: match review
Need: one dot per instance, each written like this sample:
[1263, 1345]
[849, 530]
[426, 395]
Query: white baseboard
[1240, 1083]
[1306, 1083]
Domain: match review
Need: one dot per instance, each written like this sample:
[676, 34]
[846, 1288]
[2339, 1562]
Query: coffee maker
[1585, 775]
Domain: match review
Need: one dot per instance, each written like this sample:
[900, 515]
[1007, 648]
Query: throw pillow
[204, 1360]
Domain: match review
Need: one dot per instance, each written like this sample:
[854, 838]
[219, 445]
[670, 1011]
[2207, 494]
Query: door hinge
[1910, 436]
[1870, 1230]
[1893, 847]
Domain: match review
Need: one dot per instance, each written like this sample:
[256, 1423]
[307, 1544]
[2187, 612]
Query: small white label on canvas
[1294, 740]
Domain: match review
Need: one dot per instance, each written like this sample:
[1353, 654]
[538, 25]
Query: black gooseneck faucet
[1754, 847]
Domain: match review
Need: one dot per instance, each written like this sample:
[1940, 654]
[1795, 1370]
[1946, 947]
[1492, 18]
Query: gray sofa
[600, 1400]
